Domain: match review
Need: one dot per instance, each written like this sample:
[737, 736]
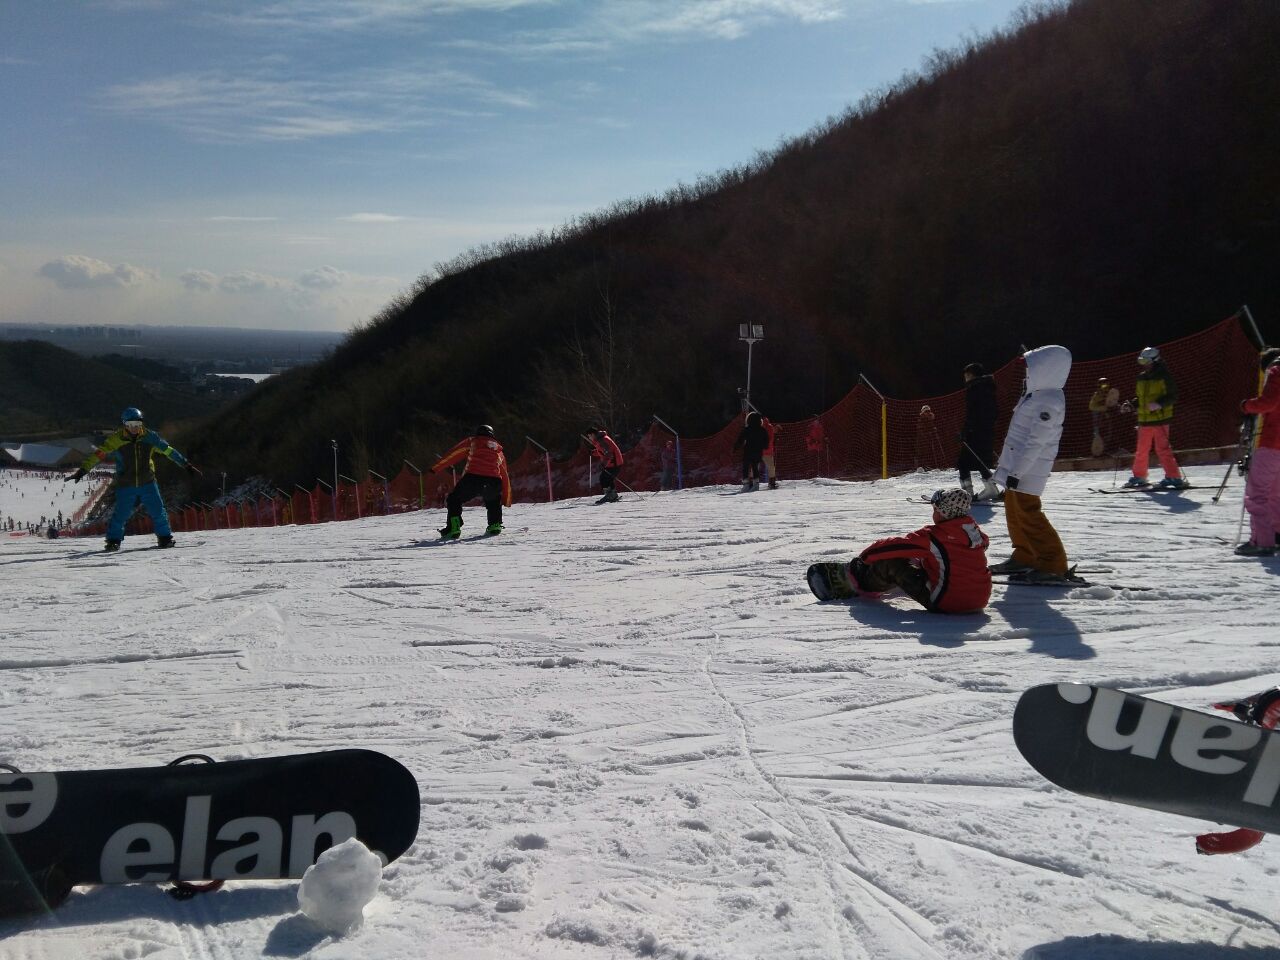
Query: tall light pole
[749, 333]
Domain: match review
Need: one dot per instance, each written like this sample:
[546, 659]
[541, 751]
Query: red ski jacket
[769, 430]
[953, 554]
[484, 459]
[1268, 404]
[608, 453]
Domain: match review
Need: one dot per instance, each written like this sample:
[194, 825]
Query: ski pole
[975, 455]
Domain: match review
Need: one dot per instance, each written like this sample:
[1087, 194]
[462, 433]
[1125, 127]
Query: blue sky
[294, 164]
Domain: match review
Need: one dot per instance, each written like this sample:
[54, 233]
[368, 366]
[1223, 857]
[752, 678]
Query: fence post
[546, 456]
[884, 428]
[679, 465]
[422, 497]
[386, 494]
[333, 493]
[356, 485]
[288, 508]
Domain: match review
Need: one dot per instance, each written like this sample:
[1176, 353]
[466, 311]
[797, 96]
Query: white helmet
[1149, 355]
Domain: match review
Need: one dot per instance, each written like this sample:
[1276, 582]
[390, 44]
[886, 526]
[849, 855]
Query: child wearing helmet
[484, 475]
[942, 566]
[133, 448]
[1154, 405]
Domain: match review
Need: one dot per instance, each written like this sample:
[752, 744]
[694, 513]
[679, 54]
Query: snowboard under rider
[942, 566]
[604, 448]
[1154, 405]
[133, 448]
[484, 475]
[1262, 482]
[751, 441]
[1030, 446]
[977, 436]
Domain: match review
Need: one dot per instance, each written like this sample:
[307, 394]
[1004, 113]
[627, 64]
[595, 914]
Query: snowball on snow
[335, 888]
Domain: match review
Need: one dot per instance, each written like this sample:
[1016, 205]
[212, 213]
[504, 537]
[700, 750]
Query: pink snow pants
[1262, 496]
[1158, 435]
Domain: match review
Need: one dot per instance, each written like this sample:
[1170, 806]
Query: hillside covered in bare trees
[1101, 173]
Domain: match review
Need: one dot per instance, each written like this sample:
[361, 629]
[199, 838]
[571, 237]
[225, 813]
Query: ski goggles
[134, 426]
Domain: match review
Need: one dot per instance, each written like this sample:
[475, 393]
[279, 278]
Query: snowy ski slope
[637, 734]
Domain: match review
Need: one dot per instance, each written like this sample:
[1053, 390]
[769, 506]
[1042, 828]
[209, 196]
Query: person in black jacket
[977, 437]
[753, 439]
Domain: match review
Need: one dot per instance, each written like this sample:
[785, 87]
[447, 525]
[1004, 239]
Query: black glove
[1011, 483]
[76, 476]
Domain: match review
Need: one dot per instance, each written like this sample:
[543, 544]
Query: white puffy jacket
[1036, 426]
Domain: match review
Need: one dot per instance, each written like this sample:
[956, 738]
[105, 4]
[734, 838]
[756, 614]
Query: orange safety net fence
[863, 436]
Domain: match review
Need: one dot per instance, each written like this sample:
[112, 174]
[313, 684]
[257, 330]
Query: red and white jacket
[484, 459]
[953, 554]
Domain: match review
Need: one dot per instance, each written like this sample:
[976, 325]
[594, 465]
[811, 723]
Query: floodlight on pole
[750, 334]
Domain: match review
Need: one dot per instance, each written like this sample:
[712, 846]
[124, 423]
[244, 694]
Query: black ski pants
[881, 575]
[608, 477]
[473, 485]
[971, 454]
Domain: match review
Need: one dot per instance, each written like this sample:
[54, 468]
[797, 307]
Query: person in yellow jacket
[132, 449]
[1154, 406]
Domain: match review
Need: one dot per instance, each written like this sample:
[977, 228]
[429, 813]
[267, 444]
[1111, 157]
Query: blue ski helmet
[131, 413]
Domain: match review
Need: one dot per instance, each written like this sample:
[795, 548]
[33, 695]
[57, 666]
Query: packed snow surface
[637, 734]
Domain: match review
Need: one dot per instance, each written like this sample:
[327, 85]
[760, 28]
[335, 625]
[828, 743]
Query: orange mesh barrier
[860, 437]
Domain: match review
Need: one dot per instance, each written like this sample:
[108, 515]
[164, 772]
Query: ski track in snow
[637, 734]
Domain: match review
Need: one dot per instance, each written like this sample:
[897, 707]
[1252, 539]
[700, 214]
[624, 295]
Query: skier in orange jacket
[604, 447]
[484, 475]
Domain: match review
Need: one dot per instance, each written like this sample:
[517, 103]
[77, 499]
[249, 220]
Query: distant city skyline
[294, 164]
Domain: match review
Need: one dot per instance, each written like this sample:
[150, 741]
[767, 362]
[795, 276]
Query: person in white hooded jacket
[1030, 446]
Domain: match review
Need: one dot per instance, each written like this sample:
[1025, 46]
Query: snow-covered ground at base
[28, 495]
[637, 734]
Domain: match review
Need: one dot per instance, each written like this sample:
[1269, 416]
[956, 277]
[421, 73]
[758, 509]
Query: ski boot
[831, 581]
[1136, 483]
[1253, 550]
[1173, 483]
[164, 542]
[1009, 566]
[989, 491]
[493, 529]
[111, 546]
[452, 529]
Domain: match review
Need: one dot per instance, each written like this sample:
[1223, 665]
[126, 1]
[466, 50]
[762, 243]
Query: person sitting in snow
[942, 566]
[483, 475]
[133, 449]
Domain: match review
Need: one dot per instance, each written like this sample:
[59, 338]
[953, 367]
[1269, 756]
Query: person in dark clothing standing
[606, 449]
[977, 437]
[752, 441]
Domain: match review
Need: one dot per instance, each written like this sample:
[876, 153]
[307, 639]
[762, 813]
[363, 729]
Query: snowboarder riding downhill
[942, 566]
[133, 448]
[484, 475]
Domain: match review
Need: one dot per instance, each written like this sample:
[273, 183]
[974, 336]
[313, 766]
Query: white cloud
[75, 272]
[269, 104]
[199, 280]
[373, 218]
[322, 278]
[247, 281]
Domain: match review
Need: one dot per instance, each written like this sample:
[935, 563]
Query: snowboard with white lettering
[1130, 749]
[267, 818]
